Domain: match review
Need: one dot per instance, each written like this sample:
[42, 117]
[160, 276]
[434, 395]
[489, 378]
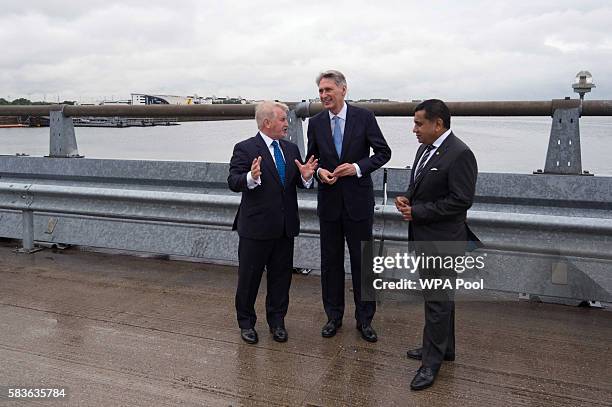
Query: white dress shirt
[252, 183]
[436, 144]
[342, 116]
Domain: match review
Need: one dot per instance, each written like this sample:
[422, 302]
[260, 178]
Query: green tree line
[27, 102]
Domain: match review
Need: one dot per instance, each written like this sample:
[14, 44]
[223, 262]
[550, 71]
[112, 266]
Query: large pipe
[490, 108]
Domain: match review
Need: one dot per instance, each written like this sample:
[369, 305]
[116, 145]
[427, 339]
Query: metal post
[62, 142]
[28, 230]
[295, 134]
[563, 155]
[28, 233]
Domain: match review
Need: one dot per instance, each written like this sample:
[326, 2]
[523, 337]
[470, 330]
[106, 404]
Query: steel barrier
[190, 214]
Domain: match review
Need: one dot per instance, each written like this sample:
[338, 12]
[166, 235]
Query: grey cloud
[395, 49]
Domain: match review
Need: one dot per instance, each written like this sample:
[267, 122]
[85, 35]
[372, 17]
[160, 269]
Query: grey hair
[265, 110]
[336, 76]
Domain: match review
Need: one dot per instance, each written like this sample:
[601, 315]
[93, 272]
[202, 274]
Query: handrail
[305, 109]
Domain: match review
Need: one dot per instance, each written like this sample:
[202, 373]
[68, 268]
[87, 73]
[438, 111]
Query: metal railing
[219, 210]
[307, 109]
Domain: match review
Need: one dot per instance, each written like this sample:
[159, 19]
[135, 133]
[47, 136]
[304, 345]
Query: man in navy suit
[441, 190]
[341, 137]
[267, 169]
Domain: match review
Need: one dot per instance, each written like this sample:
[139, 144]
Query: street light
[583, 83]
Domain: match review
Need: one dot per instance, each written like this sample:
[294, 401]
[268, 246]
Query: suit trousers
[333, 235]
[439, 329]
[275, 256]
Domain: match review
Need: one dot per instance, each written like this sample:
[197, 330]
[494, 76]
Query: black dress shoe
[418, 355]
[279, 334]
[330, 328]
[367, 332]
[424, 378]
[249, 335]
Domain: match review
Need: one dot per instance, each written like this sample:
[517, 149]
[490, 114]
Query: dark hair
[434, 109]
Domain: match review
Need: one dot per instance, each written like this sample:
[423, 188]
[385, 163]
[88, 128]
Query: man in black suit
[267, 169]
[341, 137]
[441, 190]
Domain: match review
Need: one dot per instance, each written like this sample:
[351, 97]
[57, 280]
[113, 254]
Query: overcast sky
[402, 50]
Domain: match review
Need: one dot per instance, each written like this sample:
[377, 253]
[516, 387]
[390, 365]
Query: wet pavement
[119, 330]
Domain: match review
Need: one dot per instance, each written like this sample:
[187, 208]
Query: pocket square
[433, 169]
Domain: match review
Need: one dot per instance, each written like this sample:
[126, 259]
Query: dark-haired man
[441, 190]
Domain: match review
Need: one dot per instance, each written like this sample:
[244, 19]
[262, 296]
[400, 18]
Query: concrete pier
[135, 331]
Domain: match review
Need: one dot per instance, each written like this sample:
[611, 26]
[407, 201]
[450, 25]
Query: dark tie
[280, 163]
[424, 158]
[337, 135]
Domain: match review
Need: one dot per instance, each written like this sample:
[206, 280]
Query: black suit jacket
[443, 192]
[268, 211]
[361, 132]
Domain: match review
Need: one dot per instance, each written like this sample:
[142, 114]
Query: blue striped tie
[280, 163]
[337, 135]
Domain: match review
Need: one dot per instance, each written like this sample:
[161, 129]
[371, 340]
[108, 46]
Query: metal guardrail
[522, 248]
[306, 109]
[530, 223]
[219, 210]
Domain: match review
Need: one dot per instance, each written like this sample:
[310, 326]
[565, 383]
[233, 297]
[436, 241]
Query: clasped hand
[343, 170]
[403, 205]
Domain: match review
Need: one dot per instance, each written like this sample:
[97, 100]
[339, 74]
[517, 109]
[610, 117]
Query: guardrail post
[295, 134]
[563, 156]
[28, 233]
[62, 142]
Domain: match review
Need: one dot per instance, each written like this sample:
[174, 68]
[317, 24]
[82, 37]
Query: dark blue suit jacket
[353, 195]
[268, 211]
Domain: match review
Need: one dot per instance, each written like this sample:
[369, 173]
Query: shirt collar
[341, 114]
[441, 139]
[266, 139]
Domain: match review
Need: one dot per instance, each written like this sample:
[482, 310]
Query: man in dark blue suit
[441, 190]
[267, 169]
[341, 137]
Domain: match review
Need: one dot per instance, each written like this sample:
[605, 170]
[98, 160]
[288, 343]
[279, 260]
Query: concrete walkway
[127, 331]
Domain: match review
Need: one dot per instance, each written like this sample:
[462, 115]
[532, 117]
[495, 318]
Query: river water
[501, 144]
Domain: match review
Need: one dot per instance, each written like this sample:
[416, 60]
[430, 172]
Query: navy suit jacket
[269, 211]
[442, 193]
[353, 195]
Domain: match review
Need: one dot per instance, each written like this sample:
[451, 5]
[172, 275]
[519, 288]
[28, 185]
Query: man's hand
[401, 201]
[256, 168]
[327, 177]
[345, 170]
[403, 205]
[308, 168]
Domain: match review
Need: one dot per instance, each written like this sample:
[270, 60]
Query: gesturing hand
[256, 168]
[308, 168]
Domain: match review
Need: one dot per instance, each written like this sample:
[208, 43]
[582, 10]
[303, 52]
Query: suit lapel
[437, 156]
[267, 162]
[348, 131]
[327, 133]
[418, 155]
